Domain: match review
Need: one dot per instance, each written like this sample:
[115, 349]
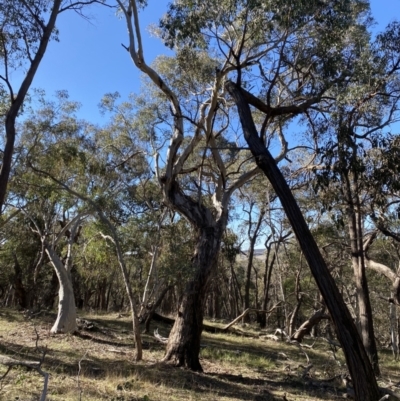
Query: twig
[10, 362]
[79, 373]
[5, 374]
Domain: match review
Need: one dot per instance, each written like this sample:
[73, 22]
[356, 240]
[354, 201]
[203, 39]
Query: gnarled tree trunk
[183, 346]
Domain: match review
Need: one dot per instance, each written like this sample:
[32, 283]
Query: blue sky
[89, 60]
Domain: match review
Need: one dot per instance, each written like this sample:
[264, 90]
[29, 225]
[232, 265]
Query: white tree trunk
[66, 317]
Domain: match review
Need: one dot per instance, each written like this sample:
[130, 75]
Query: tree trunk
[120, 257]
[18, 101]
[360, 368]
[66, 317]
[183, 346]
[296, 310]
[20, 291]
[364, 310]
[267, 283]
[253, 238]
[394, 330]
[354, 221]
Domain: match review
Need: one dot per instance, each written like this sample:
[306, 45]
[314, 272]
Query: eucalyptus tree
[202, 169]
[349, 134]
[50, 141]
[290, 53]
[27, 27]
[300, 52]
[94, 168]
[107, 163]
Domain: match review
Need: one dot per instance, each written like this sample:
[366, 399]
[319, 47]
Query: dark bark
[308, 325]
[20, 290]
[360, 368]
[363, 301]
[50, 295]
[17, 103]
[183, 346]
[155, 306]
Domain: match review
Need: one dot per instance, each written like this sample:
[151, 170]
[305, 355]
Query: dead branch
[161, 339]
[10, 362]
[79, 374]
[246, 312]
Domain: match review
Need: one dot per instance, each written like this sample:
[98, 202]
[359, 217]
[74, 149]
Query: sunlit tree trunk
[66, 316]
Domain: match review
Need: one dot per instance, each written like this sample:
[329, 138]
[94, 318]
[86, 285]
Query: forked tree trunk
[362, 374]
[183, 346]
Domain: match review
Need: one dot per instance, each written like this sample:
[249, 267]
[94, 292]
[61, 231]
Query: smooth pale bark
[115, 241]
[295, 313]
[394, 300]
[66, 316]
[388, 273]
[360, 368]
[121, 261]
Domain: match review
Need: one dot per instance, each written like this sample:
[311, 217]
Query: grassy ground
[98, 366]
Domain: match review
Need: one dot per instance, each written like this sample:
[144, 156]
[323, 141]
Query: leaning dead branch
[248, 310]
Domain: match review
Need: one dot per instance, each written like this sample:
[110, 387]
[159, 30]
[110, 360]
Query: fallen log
[206, 327]
[248, 310]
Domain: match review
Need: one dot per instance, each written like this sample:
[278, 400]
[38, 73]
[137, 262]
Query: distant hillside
[258, 254]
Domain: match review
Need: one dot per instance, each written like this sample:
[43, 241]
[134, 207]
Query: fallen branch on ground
[248, 310]
[206, 327]
[10, 363]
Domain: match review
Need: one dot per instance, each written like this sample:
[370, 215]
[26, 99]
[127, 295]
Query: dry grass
[99, 366]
